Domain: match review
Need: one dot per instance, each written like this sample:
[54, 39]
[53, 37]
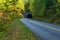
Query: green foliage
[38, 7]
[9, 13]
[45, 10]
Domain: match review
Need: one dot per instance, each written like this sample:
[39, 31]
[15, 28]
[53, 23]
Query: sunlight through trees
[9, 10]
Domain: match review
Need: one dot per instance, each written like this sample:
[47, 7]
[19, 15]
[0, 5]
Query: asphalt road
[45, 31]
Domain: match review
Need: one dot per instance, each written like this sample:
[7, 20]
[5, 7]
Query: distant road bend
[45, 31]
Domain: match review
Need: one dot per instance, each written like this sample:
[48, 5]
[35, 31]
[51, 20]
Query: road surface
[45, 31]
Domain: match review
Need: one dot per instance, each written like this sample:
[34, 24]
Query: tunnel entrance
[28, 15]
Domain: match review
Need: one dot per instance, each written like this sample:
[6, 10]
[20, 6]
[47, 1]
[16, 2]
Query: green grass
[17, 28]
[25, 33]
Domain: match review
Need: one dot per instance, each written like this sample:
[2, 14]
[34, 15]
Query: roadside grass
[18, 31]
[4, 32]
[25, 33]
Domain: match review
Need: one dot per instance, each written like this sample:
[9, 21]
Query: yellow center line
[47, 26]
[51, 27]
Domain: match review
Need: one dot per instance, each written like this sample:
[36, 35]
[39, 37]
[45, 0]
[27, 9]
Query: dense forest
[46, 10]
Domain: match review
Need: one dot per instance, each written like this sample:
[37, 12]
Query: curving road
[45, 31]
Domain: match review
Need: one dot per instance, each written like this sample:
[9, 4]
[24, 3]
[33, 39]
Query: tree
[10, 10]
